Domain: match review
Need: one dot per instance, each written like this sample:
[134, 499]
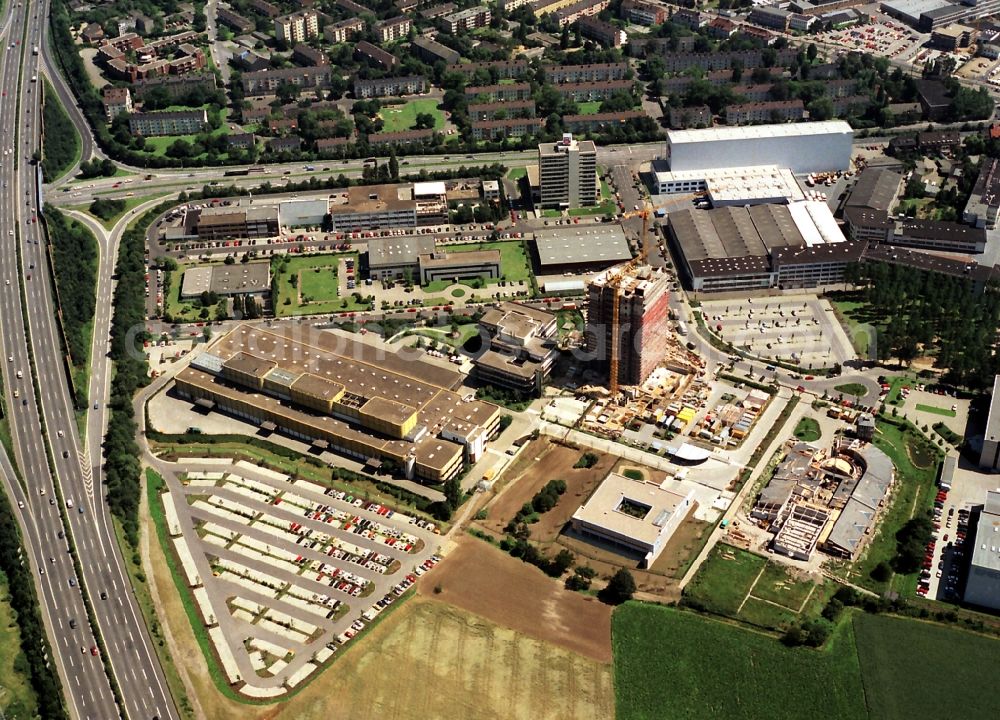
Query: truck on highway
[34, 51]
[69, 502]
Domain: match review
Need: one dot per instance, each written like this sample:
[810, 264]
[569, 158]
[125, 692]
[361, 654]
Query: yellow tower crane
[614, 281]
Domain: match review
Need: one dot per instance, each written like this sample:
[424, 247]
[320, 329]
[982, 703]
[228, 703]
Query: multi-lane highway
[45, 433]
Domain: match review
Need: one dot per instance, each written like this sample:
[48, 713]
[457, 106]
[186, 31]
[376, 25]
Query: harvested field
[482, 579]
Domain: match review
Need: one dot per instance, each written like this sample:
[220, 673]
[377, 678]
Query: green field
[402, 117]
[946, 412]
[677, 665]
[807, 430]
[317, 287]
[724, 579]
[746, 587]
[443, 335]
[516, 173]
[853, 389]
[589, 108]
[514, 264]
[17, 698]
[920, 670]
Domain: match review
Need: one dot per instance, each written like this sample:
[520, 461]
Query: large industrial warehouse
[347, 396]
[802, 147]
[764, 246]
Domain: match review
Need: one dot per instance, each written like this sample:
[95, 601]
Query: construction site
[825, 499]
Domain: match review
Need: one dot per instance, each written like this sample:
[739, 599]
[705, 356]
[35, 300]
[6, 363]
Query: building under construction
[643, 299]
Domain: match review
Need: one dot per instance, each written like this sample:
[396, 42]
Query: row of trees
[919, 312]
[61, 142]
[122, 465]
[74, 256]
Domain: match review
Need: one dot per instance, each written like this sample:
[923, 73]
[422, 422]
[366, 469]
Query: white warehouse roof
[815, 221]
[758, 132]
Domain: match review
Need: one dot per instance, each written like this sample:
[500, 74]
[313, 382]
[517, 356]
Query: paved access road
[45, 432]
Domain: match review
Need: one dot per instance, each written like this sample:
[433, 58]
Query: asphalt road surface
[48, 450]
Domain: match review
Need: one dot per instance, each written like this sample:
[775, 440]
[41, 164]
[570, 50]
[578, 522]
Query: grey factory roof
[941, 231]
[876, 188]
[582, 245]
[986, 552]
[986, 192]
[393, 251]
[833, 252]
[849, 529]
[930, 261]
[250, 277]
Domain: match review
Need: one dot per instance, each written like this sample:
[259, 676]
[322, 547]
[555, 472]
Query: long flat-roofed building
[363, 401]
[984, 203]
[250, 278]
[636, 515]
[372, 207]
[989, 456]
[391, 258]
[443, 265]
[742, 248]
[522, 347]
[983, 585]
[802, 147]
[580, 248]
[217, 223]
[733, 186]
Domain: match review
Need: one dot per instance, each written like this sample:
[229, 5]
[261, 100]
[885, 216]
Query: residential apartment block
[389, 87]
[234, 21]
[184, 122]
[643, 12]
[504, 69]
[393, 29]
[594, 72]
[601, 32]
[590, 91]
[117, 100]
[343, 30]
[599, 121]
[267, 81]
[467, 19]
[507, 127]
[514, 108]
[772, 111]
[297, 27]
[367, 51]
[401, 138]
[498, 93]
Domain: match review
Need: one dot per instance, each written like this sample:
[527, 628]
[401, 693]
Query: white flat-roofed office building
[989, 457]
[802, 147]
[635, 515]
[983, 586]
[733, 186]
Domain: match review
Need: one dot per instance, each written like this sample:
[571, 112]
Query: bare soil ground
[482, 579]
[433, 661]
[547, 460]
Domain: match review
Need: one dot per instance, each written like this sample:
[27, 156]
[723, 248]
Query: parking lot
[947, 558]
[799, 329]
[888, 38]
[285, 571]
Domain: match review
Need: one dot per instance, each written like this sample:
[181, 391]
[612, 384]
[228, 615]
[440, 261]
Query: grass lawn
[911, 669]
[159, 145]
[714, 670]
[808, 430]
[852, 389]
[317, 287]
[851, 315]
[517, 173]
[946, 412]
[605, 208]
[402, 117]
[444, 334]
[550, 213]
[916, 462]
[724, 579]
[17, 698]
[130, 203]
[514, 264]
[589, 108]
